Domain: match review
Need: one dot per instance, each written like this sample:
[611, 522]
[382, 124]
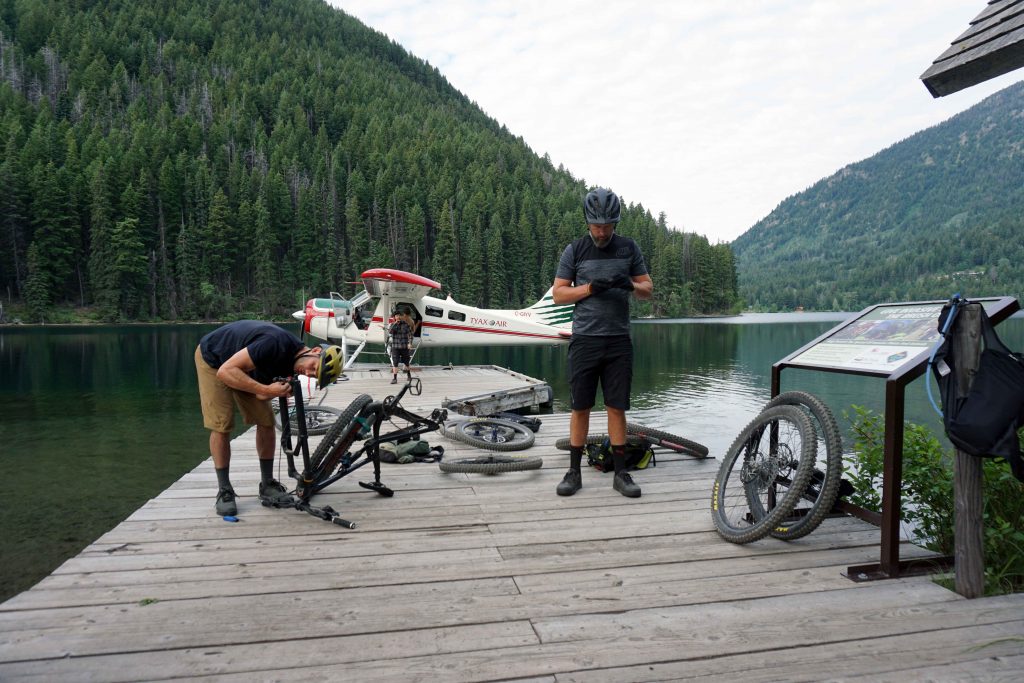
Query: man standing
[401, 333]
[598, 273]
[237, 364]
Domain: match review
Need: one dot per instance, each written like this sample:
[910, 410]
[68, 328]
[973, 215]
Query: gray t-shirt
[582, 262]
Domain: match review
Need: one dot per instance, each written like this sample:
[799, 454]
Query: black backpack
[983, 423]
[639, 455]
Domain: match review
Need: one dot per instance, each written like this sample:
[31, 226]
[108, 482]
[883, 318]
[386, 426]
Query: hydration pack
[983, 423]
[639, 456]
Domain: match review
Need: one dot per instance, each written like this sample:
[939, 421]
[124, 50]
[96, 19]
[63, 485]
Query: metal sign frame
[905, 371]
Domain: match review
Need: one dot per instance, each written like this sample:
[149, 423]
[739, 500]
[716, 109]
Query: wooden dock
[482, 578]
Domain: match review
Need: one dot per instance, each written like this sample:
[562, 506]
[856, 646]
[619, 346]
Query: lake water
[95, 421]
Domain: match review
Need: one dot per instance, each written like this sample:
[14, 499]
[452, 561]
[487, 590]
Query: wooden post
[967, 475]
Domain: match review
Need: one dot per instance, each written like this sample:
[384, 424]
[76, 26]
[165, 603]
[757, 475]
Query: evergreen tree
[37, 284]
[129, 266]
[444, 252]
[102, 280]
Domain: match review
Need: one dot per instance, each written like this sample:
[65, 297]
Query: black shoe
[274, 492]
[570, 484]
[394, 379]
[623, 483]
[226, 503]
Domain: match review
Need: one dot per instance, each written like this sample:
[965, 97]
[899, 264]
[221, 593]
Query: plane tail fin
[556, 315]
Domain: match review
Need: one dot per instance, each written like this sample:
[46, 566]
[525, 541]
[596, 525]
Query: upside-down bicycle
[332, 459]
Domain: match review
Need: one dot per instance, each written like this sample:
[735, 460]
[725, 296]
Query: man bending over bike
[237, 364]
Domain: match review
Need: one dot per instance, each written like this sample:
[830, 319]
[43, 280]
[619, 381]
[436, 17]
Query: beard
[602, 243]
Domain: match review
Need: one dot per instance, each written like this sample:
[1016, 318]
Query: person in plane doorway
[401, 332]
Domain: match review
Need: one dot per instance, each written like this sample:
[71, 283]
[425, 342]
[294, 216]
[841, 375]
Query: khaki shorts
[218, 401]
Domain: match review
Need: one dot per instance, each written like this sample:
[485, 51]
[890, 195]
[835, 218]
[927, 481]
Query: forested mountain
[937, 213]
[179, 159]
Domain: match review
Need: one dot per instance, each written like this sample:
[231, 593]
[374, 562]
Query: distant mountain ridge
[939, 212]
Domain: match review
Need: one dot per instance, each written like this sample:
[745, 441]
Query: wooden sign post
[968, 531]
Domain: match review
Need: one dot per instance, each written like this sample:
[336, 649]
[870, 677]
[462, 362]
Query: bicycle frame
[338, 465]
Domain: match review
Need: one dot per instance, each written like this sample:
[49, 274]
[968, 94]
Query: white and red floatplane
[442, 322]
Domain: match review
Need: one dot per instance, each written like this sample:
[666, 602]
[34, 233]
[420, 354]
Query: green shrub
[927, 500]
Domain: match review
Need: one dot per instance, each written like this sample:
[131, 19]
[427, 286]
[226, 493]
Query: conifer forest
[194, 159]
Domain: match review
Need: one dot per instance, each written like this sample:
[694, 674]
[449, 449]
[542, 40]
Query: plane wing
[390, 282]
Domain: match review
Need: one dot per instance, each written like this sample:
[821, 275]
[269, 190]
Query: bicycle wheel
[491, 464]
[670, 441]
[338, 438]
[823, 488]
[598, 440]
[763, 473]
[318, 419]
[490, 433]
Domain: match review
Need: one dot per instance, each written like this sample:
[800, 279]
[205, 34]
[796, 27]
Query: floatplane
[440, 322]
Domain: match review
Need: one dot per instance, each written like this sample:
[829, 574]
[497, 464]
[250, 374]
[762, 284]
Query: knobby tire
[823, 488]
[672, 442]
[490, 433]
[490, 464]
[318, 419]
[337, 440]
[754, 471]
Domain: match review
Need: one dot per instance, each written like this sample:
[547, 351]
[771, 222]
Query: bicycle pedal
[378, 487]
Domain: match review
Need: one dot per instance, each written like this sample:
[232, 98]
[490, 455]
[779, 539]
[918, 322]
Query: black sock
[266, 469]
[223, 480]
[619, 458]
[575, 457]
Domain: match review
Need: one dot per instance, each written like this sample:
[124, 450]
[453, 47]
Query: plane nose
[299, 315]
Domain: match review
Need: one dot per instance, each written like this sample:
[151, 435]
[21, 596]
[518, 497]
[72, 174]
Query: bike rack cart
[894, 342]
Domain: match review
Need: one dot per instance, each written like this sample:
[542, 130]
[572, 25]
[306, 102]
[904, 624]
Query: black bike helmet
[601, 207]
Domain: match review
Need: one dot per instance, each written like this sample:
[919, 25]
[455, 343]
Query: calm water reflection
[96, 421]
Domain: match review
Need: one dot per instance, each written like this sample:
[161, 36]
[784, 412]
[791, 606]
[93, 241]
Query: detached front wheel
[318, 419]
[490, 433]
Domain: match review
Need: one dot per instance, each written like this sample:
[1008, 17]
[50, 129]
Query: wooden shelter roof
[992, 45]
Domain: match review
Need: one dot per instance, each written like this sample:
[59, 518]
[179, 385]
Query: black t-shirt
[605, 314]
[272, 349]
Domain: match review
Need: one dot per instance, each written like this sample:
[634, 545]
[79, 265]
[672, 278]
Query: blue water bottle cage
[954, 306]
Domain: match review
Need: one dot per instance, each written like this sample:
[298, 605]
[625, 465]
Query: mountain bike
[334, 458]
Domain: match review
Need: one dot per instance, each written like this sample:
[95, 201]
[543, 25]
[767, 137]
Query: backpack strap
[941, 368]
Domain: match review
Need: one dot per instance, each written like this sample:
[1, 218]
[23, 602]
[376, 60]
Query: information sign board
[879, 340]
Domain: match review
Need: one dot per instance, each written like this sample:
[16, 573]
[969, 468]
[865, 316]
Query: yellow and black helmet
[330, 366]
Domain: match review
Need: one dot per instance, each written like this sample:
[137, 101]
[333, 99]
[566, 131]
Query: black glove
[601, 284]
[623, 282]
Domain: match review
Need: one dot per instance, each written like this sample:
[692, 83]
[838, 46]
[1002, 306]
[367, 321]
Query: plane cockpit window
[434, 312]
[455, 315]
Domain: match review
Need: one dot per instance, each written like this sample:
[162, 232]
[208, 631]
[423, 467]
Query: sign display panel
[881, 340]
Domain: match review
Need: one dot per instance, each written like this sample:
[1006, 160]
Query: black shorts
[400, 357]
[608, 359]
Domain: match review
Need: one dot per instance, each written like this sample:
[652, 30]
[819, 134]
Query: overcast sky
[711, 111]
